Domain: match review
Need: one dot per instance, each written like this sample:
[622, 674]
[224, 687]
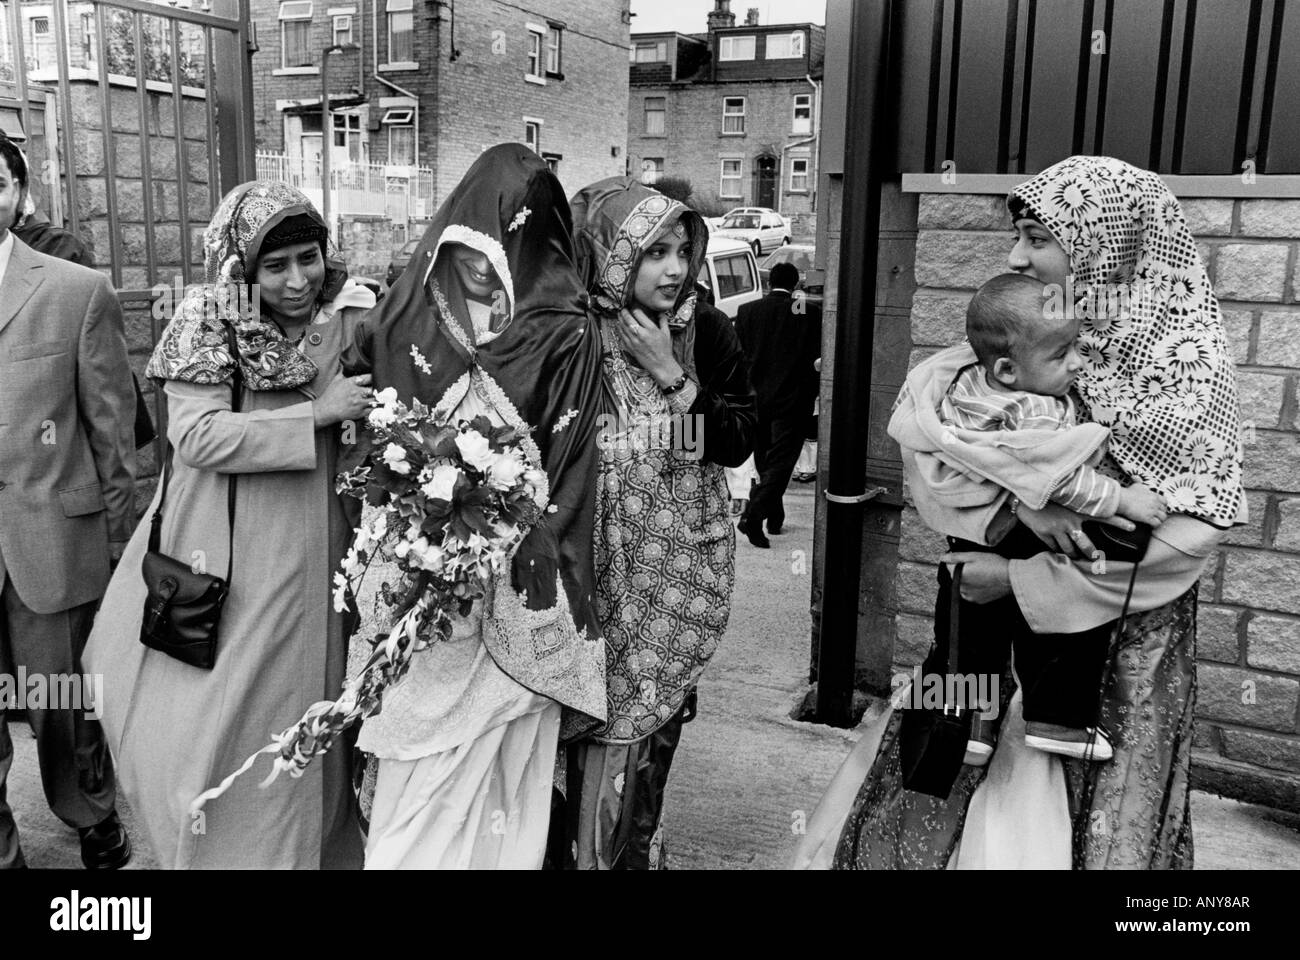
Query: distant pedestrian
[66, 510]
[781, 335]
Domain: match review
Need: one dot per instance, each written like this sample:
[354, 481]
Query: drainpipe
[815, 118]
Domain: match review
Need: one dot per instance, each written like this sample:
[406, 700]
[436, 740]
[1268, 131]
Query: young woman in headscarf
[680, 408]
[1158, 373]
[490, 320]
[174, 728]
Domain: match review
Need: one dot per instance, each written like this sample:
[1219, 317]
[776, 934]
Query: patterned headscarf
[193, 347]
[1157, 368]
[614, 221]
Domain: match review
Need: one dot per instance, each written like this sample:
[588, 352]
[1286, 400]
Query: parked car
[372, 285]
[730, 274]
[401, 257]
[764, 230]
[803, 256]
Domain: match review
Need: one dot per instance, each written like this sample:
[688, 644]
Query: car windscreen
[740, 223]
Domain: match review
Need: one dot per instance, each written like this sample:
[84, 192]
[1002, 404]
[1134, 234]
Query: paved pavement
[745, 775]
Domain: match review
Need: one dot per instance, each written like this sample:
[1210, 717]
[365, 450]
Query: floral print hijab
[194, 347]
[1157, 368]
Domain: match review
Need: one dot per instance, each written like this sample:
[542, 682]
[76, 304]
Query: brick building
[734, 110]
[433, 84]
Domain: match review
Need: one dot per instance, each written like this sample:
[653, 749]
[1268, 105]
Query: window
[733, 115]
[40, 27]
[88, 37]
[553, 162]
[554, 46]
[343, 29]
[401, 144]
[785, 46]
[729, 187]
[401, 31]
[652, 168]
[735, 275]
[736, 48]
[347, 134]
[295, 34]
[400, 122]
[655, 113]
[536, 42]
[802, 113]
[533, 135]
[799, 174]
[650, 52]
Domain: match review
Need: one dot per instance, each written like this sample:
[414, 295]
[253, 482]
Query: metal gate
[138, 116]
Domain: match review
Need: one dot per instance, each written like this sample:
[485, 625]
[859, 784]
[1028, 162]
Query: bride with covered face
[489, 320]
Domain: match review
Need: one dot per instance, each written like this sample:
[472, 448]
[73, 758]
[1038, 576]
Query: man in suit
[781, 335]
[66, 511]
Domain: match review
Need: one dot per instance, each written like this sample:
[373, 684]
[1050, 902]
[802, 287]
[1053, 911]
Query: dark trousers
[1060, 674]
[777, 443]
[76, 769]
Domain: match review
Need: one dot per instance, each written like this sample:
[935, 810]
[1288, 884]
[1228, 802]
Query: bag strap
[954, 621]
[155, 522]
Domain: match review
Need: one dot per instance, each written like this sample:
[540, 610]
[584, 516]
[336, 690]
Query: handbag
[932, 741]
[182, 608]
[1122, 546]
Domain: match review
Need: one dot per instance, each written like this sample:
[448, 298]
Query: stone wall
[90, 144]
[366, 243]
[1247, 737]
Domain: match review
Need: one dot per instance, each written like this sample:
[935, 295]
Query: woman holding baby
[1156, 373]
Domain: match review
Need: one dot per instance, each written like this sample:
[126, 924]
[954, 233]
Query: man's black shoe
[774, 529]
[754, 532]
[105, 846]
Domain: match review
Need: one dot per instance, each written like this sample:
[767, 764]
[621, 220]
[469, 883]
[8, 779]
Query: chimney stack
[721, 15]
[751, 17]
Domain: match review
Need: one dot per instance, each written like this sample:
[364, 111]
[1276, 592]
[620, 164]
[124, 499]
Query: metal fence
[152, 122]
[1178, 86]
[398, 192]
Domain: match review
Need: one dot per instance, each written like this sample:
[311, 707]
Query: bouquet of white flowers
[455, 500]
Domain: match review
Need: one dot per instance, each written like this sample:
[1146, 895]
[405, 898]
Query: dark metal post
[868, 154]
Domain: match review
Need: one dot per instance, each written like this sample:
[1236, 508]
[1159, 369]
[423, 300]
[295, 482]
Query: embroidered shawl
[540, 358]
[1158, 372]
[665, 550]
[194, 348]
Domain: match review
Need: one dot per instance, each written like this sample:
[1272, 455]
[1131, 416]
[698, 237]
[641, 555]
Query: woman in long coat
[176, 729]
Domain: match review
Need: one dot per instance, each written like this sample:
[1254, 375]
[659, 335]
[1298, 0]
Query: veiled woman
[175, 728]
[680, 408]
[1158, 374]
[489, 319]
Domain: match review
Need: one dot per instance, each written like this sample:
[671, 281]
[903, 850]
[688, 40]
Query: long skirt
[615, 799]
[1132, 811]
[482, 805]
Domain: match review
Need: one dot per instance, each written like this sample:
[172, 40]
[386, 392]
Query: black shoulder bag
[932, 741]
[182, 610]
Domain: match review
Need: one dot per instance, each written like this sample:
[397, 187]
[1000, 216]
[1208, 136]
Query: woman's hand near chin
[986, 576]
[1062, 529]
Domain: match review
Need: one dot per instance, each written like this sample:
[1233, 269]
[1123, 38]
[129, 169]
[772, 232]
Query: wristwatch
[1015, 505]
[675, 386]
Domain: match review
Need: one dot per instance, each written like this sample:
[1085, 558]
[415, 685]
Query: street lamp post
[327, 129]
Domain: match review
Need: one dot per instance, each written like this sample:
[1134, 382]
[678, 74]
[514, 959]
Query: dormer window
[650, 52]
[736, 48]
[785, 46]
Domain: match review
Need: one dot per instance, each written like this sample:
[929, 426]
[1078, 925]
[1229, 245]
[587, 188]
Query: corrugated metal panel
[1182, 86]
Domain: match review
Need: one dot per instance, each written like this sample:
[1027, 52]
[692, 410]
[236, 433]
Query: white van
[731, 274]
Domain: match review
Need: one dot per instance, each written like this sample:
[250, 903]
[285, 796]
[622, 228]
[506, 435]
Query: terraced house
[426, 85]
[734, 110]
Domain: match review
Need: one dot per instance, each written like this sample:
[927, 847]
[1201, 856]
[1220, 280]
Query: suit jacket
[781, 345]
[66, 412]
